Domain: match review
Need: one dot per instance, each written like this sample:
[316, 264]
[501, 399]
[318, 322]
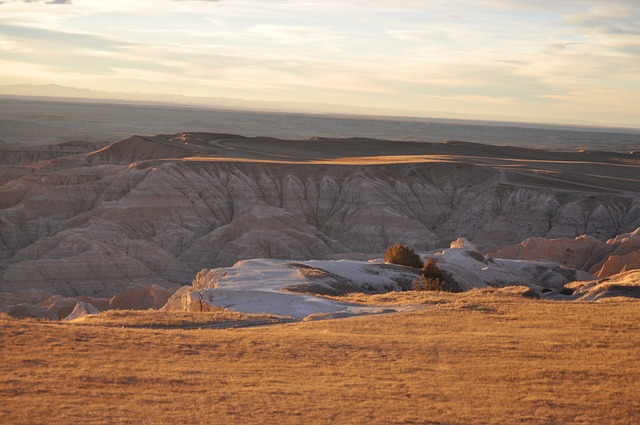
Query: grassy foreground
[477, 358]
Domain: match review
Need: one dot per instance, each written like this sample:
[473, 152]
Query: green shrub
[403, 255]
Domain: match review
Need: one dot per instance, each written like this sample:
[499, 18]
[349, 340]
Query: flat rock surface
[285, 288]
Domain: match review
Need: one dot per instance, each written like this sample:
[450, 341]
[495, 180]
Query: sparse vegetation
[430, 277]
[155, 318]
[478, 357]
[427, 284]
[403, 255]
[431, 269]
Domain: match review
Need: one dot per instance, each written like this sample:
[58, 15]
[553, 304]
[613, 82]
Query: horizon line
[275, 107]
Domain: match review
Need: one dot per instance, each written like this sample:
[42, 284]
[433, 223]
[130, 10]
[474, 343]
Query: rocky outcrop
[465, 268]
[82, 309]
[601, 259]
[44, 305]
[626, 284]
[284, 288]
[624, 255]
[29, 296]
[56, 307]
[287, 288]
[140, 298]
[101, 223]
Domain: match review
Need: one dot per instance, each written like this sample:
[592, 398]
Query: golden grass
[155, 318]
[475, 358]
[417, 298]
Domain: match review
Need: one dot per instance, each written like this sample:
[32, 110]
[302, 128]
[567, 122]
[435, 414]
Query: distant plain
[50, 120]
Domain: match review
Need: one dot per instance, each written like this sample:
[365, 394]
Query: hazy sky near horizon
[564, 61]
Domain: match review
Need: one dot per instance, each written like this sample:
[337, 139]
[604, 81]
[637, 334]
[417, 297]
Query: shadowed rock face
[113, 219]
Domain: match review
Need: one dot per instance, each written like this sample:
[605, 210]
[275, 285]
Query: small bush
[431, 269]
[427, 284]
[430, 278]
[403, 255]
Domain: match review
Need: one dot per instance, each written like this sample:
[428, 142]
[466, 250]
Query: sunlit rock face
[625, 284]
[624, 255]
[586, 253]
[157, 210]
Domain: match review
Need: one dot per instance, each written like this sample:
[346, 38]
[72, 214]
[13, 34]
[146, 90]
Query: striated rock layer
[155, 210]
[601, 259]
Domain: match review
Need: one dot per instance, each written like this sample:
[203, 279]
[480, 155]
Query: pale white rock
[466, 269]
[195, 302]
[82, 309]
[287, 288]
[463, 243]
[175, 303]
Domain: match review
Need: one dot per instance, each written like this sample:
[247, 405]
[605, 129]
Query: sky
[561, 61]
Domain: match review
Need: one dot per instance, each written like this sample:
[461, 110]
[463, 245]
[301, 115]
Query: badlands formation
[129, 223]
[601, 259]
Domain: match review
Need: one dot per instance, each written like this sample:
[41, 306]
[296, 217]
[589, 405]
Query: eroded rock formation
[625, 284]
[586, 253]
[158, 209]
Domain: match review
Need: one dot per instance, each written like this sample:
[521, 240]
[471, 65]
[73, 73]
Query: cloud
[560, 47]
[68, 39]
[411, 35]
[620, 20]
[456, 53]
[43, 1]
[293, 34]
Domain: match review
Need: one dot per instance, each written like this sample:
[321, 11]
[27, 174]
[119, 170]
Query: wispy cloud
[293, 34]
[38, 1]
[526, 58]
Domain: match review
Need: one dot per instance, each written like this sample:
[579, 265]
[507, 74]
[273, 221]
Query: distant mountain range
[72, 93]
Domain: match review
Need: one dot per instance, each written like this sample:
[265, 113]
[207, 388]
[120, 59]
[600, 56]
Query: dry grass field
[482, 357]
[168, 319]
